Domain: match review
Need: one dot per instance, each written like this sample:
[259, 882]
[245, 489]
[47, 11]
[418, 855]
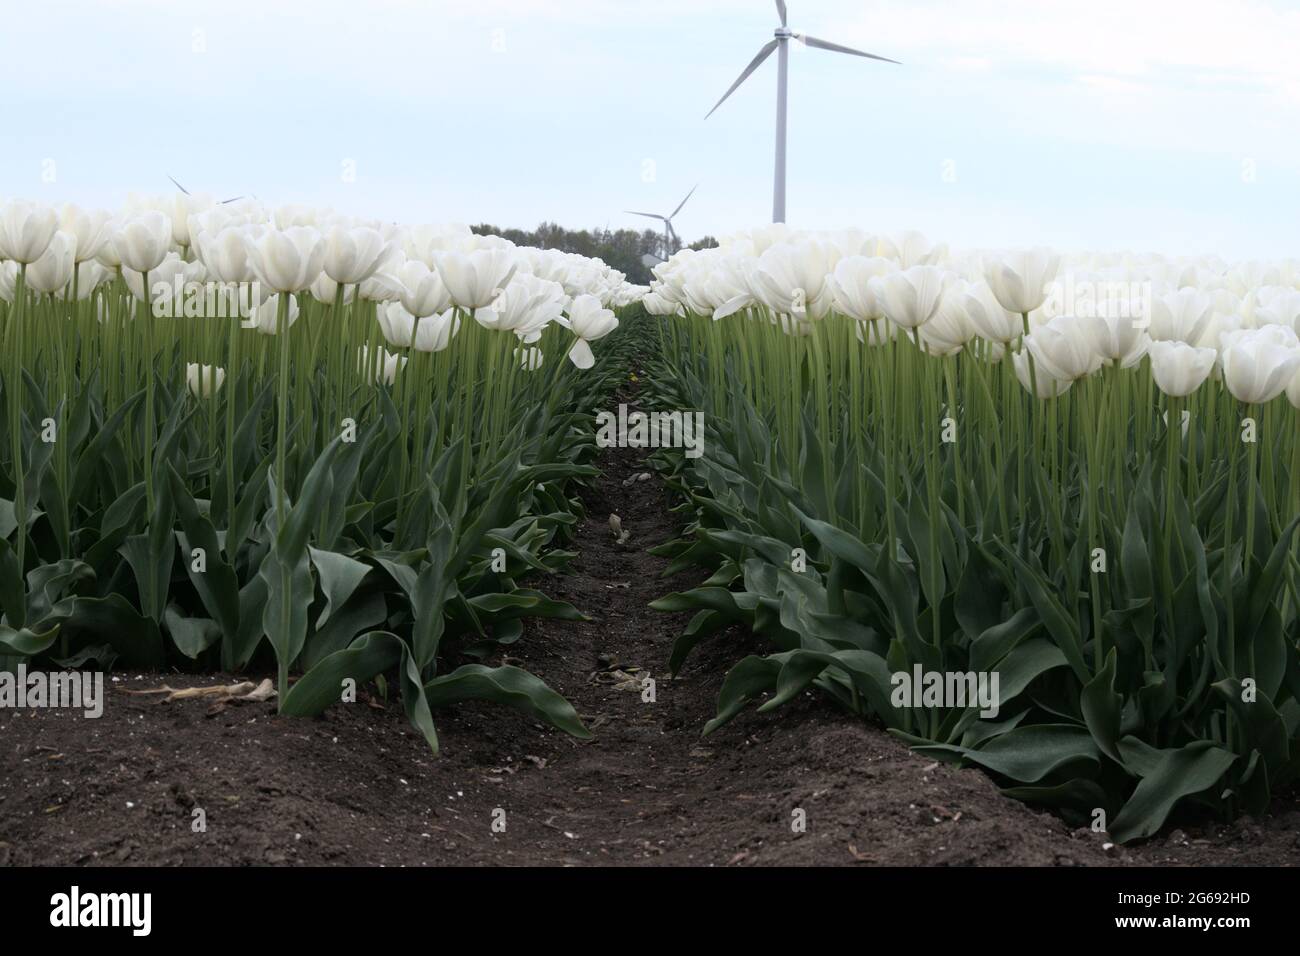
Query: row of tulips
[235, 439]
[1080, 476]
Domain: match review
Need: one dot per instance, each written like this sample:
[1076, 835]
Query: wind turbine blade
[754, 64]
[648, 215]
[836, 48]
[683, 202]
[780, 8]
[225, 202]
[179, 186]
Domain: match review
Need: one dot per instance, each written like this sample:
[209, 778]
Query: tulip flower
[265, 316]
[911, 298]
[790, 279]
[90, 276]
[525, 307]
[657, 304]
[1181, 316]
[108, 256]
[289, 216]
[851, 290]
[204, 381]
[987, 314]
[950, 328]
[1038, 381]
[589, 322]
[1214, 329]
[168, 281]
[474, 279]
[1118, 340]
[1064, 348]
[225, 254]
[91, 228]
[1258, 364]
[430, 333]
[529, 359]
[181, 209]
[1178, 368]
[325, 290]
[381, 287]
[914, 249]
[26, 230]
[53, 270]
[381, 368]
[435, 332]
[354, 255]
[1019, 280]
[288, 261]
[422, 292]
[1281, 309]
[143, 242]
[875, 333]
[8, 280]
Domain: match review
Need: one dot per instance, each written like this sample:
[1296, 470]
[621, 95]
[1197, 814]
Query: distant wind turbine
[781, 44]
[187, 192]
[669, 233]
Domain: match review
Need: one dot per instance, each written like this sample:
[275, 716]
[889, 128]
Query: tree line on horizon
[622, 249]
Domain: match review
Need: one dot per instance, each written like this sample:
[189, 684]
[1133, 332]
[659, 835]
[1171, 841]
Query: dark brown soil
[359, 787]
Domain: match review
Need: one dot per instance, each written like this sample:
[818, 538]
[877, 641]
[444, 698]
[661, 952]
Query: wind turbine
[781, 43]
[187, 192]
[669, 233]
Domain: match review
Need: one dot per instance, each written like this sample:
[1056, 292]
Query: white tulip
[26, 230]
[790, 278]
[430, 333]
[265, 317]
[1038, 381]
[52, 272]
[912, 297]
[1181, 316]
[476, 278]
[423, 292]
[1019, 280]
[529, 359]
[950, 328]
[1258, 364]
[204, 381]
[325, 290]
[381, 368]
[1064, 348]
[288, 261]
[142, 243]
[1118, 340]
[589, 322]
[1178, 368]
[990, 319]
[354, 255]
[850, 286]
[92, 229]
[225, 254]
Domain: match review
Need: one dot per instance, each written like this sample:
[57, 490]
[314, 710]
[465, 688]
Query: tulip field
[928, 463]
[1034, 514]
[318, 447]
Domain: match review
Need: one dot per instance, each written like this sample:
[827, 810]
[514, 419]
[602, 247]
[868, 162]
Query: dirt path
[357, 787]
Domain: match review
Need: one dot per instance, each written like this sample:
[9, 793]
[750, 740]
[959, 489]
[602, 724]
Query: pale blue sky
[1166, 125]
